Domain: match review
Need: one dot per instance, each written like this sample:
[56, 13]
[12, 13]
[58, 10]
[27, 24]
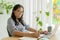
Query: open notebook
[27, 38]
[39, 38]
[30, 38]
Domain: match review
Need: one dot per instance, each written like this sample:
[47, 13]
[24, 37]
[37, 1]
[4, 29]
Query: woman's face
[18, 13]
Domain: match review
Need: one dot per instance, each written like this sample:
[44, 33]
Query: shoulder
[10, 19]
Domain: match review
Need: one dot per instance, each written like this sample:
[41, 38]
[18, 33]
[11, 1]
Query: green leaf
[40, 23]
[7, 11]
[10, 6]
[6, 5]
[47, 13]
[1, 13]
[40, 29]
[37, 19]
[40, 11]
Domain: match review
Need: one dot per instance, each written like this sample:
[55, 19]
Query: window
[33, 8]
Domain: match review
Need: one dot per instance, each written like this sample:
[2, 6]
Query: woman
[16, 25]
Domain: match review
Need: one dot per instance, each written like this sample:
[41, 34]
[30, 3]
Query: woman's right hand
[36, 35]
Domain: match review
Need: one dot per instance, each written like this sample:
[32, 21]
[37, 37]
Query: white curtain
[32, 9]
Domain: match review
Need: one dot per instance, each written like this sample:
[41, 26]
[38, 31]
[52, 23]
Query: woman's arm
[43, 32]
[18, 34]
[32, 30]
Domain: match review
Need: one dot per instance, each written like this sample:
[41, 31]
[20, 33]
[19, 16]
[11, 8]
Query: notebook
[30, 38]
[27, 38]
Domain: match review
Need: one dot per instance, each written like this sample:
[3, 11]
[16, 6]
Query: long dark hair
[13, 15]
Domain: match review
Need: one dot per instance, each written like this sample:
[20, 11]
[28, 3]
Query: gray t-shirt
[12, 27]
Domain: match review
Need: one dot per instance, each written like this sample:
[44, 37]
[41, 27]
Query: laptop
[45, 36]
[50, 34]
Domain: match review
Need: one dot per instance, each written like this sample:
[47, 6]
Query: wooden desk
[10, 38]
[53, 37]
[16, 38]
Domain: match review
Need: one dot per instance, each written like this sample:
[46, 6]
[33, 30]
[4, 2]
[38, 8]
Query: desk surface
[16, 38]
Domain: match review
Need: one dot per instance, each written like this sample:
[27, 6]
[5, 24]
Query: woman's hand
[45, 32]
[36, 35]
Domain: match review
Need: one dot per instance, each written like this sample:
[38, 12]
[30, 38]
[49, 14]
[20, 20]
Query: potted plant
[47, 13]
[6, 5]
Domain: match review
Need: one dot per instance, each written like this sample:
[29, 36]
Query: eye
[18, 11]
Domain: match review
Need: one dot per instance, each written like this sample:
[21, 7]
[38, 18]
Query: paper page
[27, 38]
[30, 38]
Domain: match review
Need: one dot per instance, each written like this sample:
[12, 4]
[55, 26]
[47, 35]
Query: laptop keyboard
[46, 36]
